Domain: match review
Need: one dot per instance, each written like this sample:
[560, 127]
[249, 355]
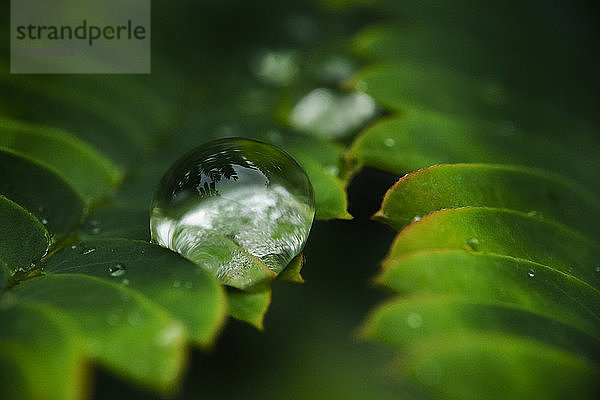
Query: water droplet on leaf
[88, 251]
[117, 270]
[232, 202]
[535, 213]
[472, 243]
[44, 221]
[414, 320]
[531, 272]
[389, 142]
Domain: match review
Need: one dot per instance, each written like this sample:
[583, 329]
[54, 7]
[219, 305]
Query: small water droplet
[134, 318]
[44, 221]
[535, 213]
[188, 285]
[389, 142]
[233, 193]
[472, 243]
[331, 170]
[88, 251]
[73, 247]
[531, 272]
[95, 230]
[125, 281]
[41, 209]
[113, 319]
[414, 320]
[169, 334]
[176, 284]
[597, 268]
[117, 270]
[416, 218]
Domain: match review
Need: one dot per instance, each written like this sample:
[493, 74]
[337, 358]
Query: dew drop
[389, 142]
[535, 213]
[125, 281]
[233, 196]
[113, 319]
[95, 230]
[472, 243]
[177, 284]
[597, 268]
[44, 221]
[531, 272]
[73, 247]
[88, 251]
[331, 170]
[326, 113]
[416, 218]
[414, 320]
[117, 270]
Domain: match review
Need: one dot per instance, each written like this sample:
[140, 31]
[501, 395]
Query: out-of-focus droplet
[472, 243]
[276, 67]
[332, 115]
[232, 205]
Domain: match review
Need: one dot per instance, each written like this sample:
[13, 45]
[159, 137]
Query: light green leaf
[538, 193]
[249, 306]
[63, 153]
[24, 238]
[116, 323]
[495, 280]
[497, 367]
[44, 193]
[510, 233]
[36, 343]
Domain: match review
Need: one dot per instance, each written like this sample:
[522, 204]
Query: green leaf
[504, 232]
[249, 306]
[62, 151]
[493, 279]
[36, 343]
[185, 290]
[418, 139]
[44, 193]
[292, 272]
[4, 275]
[24, 238]
[122, 329]
[538, 193]
[498, 367]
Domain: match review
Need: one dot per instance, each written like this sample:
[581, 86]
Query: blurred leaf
[43, 192]
[37, 344]
[419, 139]
[62, 151]
[121, 329]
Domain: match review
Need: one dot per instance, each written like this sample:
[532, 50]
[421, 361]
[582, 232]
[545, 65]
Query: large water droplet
[233, 204]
